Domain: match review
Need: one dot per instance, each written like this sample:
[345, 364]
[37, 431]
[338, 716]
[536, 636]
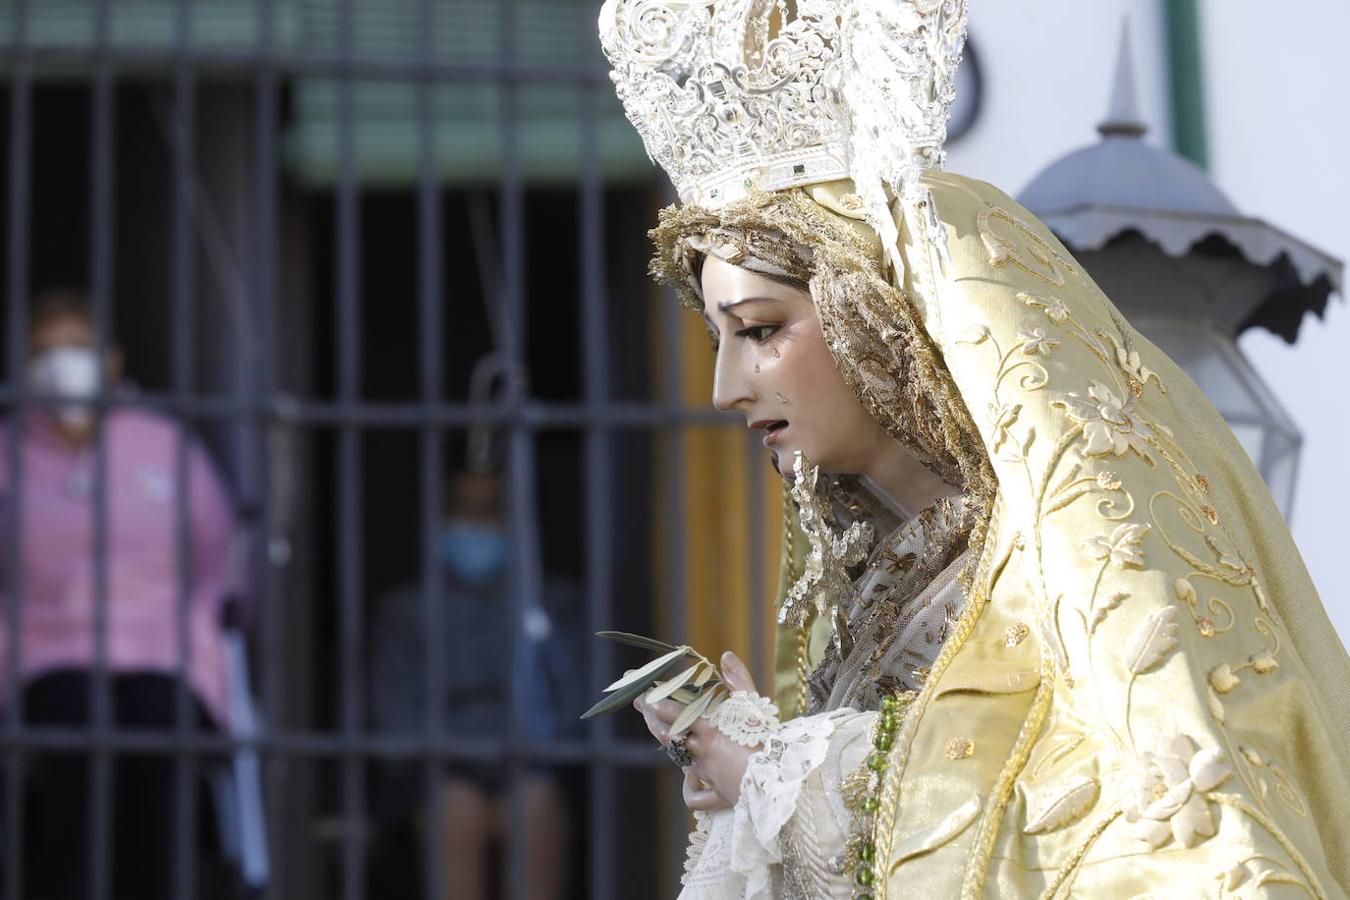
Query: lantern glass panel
[1280, 467]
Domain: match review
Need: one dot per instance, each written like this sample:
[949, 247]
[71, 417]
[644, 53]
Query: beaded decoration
[862, 794]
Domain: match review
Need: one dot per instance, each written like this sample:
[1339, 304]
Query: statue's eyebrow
[728, 305]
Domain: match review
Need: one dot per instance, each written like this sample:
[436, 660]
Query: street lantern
[1187, 268]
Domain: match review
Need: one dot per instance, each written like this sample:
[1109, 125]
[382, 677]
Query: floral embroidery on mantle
[1167, 794]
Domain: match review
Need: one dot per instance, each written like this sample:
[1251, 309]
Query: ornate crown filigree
[735, 95]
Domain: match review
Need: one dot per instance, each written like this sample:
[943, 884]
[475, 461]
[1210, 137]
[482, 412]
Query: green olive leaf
[674, 684]
[703, 676]
[625, 695]
[684, 696]
[636, 640]
[645, 674]
[690, 713]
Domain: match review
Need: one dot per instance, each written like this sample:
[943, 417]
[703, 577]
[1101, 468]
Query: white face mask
[73, 373]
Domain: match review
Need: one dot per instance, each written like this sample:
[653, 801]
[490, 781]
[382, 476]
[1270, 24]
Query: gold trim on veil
[1145, 688]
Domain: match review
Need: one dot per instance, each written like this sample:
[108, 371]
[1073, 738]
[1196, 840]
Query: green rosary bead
[877, 762]
[871, 804]
[885, 741]
[865, 876]
[889, 703]
[867, 852]
[863, 897]
[887, 722]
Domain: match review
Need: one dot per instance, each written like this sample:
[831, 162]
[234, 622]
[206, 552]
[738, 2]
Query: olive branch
[680, 673]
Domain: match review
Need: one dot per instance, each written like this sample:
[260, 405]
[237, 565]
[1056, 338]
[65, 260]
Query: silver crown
[736, 95]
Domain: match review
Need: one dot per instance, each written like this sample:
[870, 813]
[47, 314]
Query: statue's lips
[773, 430]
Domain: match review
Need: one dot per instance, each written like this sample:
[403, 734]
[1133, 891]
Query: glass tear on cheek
[776, 354]
[756, 368]
[781, 399]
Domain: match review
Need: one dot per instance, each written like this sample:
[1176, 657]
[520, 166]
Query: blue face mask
[473, 552]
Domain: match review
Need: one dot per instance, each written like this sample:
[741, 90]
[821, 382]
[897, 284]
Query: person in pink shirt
[57, 588]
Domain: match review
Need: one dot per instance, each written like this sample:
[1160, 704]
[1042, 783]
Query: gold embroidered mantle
[1147, 694]
[1189, 726]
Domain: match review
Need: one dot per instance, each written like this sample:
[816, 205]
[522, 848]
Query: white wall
[1048, 67]
[1278, 133]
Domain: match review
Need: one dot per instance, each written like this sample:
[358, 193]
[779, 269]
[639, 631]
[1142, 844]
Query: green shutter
[468, 122]
[218, 26]
[469, 133]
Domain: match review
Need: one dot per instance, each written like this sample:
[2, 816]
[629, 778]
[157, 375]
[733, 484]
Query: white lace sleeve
[738, 853]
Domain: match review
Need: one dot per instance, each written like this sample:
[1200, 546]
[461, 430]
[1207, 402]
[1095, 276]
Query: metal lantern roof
[1238, 271]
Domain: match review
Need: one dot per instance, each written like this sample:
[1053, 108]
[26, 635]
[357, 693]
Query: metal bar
[267, 574]
[17, 223]
[216, 62]
[599, 493]
[325, 745]
[676, 514]
[183, 129]
[429, 297]
[521, 455]
[350, 536]
[102, 173]
[527, 414]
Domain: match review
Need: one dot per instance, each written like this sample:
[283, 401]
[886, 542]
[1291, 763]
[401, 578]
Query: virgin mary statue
[1047, 634]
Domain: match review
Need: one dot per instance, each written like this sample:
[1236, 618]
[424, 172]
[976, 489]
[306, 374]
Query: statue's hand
[714, 780]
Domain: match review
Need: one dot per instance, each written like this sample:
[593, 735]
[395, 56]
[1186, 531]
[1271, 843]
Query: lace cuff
[773, 780]
[746, 718]
[732, 852]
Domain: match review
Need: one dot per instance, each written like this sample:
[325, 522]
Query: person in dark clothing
[481, 675]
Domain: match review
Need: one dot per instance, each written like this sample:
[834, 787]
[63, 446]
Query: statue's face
[774, 367]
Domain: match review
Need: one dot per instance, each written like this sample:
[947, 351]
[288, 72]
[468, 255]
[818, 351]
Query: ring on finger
[679, 754]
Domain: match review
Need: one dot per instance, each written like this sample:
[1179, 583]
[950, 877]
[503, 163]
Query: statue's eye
[757, 333]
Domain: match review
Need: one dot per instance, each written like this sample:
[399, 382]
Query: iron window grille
[265, 313]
